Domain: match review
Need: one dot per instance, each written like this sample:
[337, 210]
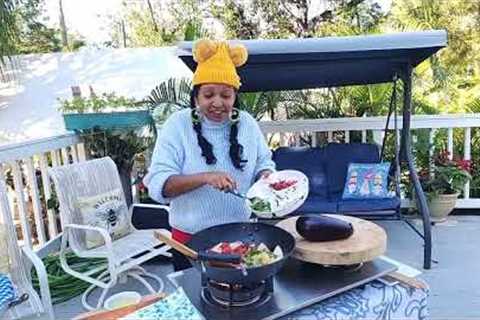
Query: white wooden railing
[25, 161]
[339, 130]
[26, 164]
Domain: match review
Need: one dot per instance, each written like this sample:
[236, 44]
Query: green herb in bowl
[260, 205]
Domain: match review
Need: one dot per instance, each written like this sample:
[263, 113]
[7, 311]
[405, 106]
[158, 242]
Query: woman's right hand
[220, 180]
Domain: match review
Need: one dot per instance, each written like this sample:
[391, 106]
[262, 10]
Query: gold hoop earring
[196, 118]
[234, 115]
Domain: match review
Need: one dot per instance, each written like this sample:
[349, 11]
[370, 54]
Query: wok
[247, 232]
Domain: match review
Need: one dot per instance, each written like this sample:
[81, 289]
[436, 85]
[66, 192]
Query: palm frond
[168, 97]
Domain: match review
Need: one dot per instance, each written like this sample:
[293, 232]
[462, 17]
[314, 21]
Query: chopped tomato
[225, 248]
[241, 249]
[282, 184]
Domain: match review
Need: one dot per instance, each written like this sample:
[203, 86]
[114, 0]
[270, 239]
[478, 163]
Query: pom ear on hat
[204, 49]
[238, 53]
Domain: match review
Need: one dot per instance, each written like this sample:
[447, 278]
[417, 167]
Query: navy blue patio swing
[292, 64]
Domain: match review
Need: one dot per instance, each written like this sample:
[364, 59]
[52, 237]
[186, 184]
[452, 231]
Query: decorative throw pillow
[7, 292]
[108, 211]
[367, 181]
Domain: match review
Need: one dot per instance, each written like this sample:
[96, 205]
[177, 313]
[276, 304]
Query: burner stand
[236, 295]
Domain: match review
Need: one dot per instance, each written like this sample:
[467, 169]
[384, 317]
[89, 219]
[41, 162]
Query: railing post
[467, 156]
[55, 158]
[81, 152]
[450, 143]
[37, 207]
[22, 209]
[431, 150]
[64, 153]
[364, 136]
[314, 138]
[347, 136]
[52, 221]
[297, 138]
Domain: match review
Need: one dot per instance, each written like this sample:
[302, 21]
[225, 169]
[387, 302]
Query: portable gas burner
[296, 286]
[236, 295]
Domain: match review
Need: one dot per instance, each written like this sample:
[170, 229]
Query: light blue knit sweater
[177, 152]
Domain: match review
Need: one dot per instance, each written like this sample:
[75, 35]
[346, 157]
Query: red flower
[464, 164]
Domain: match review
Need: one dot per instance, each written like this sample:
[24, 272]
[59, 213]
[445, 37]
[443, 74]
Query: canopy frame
[378, 58]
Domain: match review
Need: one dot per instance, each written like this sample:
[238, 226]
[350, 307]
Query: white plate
[284, 201]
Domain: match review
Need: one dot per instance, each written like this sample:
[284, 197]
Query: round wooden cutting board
[367, 242]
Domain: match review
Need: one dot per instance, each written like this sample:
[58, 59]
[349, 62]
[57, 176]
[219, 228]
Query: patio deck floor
[454, 281]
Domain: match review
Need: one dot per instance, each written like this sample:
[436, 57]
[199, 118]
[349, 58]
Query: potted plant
[113, 126]
[107, 111]
[444, 184]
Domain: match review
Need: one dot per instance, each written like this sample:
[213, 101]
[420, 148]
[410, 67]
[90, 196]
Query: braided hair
[236, 149]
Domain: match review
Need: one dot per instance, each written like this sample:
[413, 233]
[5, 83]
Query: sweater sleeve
[167, 159]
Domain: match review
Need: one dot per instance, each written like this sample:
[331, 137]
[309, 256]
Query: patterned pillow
[367, 181]
[108, 211]
[7, 291]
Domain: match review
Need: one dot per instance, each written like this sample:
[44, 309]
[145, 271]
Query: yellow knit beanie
[216, 62]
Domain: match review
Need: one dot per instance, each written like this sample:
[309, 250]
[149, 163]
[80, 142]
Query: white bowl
[262, 189]
[122, 299]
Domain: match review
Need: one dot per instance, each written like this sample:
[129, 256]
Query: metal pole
[408, 156]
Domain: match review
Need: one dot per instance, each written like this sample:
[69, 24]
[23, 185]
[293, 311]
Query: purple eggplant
[323, 228]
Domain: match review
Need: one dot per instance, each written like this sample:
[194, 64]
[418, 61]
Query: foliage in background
[8, 31]
[96, 103]
[451, 78]
[157, 23]
[23, 29]
[448, 176]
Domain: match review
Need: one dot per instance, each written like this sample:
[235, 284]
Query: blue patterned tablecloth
[373, 301]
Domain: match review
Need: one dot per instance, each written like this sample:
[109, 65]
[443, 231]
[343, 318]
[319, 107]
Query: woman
[208, 148]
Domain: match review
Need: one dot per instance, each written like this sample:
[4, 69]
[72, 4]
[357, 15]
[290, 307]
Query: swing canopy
[291, 64]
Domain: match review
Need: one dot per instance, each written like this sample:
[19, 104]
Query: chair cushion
[108, 211]
[366, 181]
[316, 204]
[368, 206]
[310, 161]
[340, 155]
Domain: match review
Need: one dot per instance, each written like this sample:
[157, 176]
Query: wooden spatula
[121, 312]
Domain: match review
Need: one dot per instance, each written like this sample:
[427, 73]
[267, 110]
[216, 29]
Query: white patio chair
[21, 261]
[124, 255]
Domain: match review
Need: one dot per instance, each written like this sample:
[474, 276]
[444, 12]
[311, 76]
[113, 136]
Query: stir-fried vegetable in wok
[253, 255]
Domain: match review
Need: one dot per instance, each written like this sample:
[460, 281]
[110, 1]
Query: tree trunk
[124, 33]
[63, 26]
[150, 9]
